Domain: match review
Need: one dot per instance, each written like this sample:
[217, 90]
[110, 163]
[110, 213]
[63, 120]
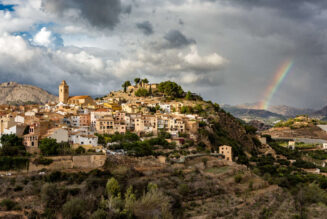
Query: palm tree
[125, 85]
[145, 81]
[137, 80]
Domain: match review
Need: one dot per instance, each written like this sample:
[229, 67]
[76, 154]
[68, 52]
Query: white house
[165, 107]
[83, 139]
[16, 130]
[324, 146]
[19, 119]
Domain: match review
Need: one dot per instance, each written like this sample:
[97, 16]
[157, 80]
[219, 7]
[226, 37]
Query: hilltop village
[88, 124]
[155, 151]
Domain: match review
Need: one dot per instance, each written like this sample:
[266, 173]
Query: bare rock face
[14, 93]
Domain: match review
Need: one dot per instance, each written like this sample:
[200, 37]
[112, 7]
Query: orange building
[84, 120]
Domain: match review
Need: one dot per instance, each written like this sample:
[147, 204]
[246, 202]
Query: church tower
[63, 92]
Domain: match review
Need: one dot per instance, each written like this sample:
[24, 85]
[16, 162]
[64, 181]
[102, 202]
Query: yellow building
[63, 92]
[76, 100]
[226, 151]
[113, 106]
[81, 100]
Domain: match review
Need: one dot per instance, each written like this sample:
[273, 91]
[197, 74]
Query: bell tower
[63, 92]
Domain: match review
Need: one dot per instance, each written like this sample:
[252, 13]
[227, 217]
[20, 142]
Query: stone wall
[70, 162]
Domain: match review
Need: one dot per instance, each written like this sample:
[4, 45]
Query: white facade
[30, 113]
[82, 139]
[20, 119]
[16, 130]
[165, 107]
[324, 146]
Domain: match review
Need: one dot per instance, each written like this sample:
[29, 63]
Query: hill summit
[15, 93]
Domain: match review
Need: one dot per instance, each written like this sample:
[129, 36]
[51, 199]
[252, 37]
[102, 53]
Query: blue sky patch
[6, 7]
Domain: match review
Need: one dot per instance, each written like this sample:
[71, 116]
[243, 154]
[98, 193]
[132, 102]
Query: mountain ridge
[15, 93]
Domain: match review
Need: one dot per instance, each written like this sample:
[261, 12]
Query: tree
[137, 80]
[171, 89]
[80, 150]
[49, 146]
[145, 81]
[125, 85]
[112, 187]
[186, 110]
[189, 96]
[150, 90]
[12, 145]
[130, 199]
[141, 92]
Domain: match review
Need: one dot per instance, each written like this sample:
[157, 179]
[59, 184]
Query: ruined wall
[70, 162]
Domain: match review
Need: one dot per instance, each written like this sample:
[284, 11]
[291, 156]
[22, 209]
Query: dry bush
[154, 204]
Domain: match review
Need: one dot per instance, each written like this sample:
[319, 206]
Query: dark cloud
[99, 13]
[175, 39]
[299, 9]
[145, 27]
[127, 9]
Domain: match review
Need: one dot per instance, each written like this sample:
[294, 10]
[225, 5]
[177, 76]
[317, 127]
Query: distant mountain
[322, 113]
[14, 93]
[253, 114]
[283, 110]
[289, 111]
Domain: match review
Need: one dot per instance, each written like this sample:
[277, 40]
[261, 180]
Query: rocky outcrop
[14, 93]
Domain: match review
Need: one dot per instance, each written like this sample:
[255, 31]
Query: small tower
[63, 92]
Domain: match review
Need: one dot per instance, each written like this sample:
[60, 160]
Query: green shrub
[154, 204]
[142, 92]
[80, 150]
[42, 161]
[112, 187]
[303, 164]
[53, 196]
[18, 188]
[9, 205]
[99, 214]
[13, 163]
[74, 208]
[238, 178]
[183, 189]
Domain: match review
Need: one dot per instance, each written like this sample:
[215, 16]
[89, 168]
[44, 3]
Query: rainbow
[282, 72]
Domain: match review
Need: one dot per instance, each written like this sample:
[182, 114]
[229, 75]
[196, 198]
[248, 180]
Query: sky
[228, 51]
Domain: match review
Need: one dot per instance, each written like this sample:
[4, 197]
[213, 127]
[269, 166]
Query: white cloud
[14, 47]
[22, 62]
[43, 37]
[186, 67]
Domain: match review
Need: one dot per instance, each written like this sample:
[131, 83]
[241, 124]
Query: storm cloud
[100, 13]
[175, 39]
[145, 27]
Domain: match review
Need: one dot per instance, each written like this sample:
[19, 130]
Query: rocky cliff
[14, 93]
